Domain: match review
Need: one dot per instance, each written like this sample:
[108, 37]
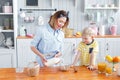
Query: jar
[33, 69]
[7, 8]
[6, 23]
[94, 27]
[113, 29]
[109, 68]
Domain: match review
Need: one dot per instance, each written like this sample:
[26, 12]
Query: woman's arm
[58, 54]
[38, 53]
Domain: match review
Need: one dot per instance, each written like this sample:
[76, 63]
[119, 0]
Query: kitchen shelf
[101, 5]
[98, 36]
[6, 13]
[102, 8]
[2, 49]
[6, 30]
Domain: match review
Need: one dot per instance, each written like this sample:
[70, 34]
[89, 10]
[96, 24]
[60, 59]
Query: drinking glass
[19, 69]
[109, 70]
[101, 67]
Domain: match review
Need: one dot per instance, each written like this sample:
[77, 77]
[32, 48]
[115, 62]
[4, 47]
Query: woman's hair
[88, 32]
[59, 14]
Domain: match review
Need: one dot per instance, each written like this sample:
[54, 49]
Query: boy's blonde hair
[88, 32]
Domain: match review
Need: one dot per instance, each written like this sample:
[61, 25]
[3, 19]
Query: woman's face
[60, 23]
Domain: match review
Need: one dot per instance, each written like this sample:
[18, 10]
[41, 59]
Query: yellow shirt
[85, 50]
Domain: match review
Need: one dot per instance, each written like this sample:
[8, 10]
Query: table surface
[53, 73]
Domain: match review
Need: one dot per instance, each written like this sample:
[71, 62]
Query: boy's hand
[72, 66]
[91, 67]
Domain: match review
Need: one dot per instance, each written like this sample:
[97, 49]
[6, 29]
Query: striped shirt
[86, 50]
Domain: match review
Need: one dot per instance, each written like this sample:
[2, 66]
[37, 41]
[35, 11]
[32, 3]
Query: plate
[2, 38]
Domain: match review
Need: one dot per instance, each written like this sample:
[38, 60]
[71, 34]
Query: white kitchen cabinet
[113, 45]
[7, 14]
[24, 53]
[106, 46]
[7, 58]
[68, 47]
[8, 27]
[102, 48]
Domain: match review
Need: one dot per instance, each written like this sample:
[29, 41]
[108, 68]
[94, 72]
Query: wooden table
[55, 74]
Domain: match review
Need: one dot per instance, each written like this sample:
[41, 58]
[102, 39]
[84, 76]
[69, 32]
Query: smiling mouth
[58, 26]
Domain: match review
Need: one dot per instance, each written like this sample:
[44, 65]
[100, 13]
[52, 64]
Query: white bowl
[52, 61]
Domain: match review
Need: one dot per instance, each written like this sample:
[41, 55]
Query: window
[31, 2]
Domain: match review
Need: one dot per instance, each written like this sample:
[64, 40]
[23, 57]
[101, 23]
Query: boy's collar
[91, 42]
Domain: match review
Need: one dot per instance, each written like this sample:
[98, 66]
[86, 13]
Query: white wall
[78, 19]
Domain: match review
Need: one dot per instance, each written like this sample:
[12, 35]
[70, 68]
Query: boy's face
[87, 39]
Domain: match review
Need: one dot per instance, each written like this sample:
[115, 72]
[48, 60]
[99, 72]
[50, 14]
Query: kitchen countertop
[105, 36]
[55, 74]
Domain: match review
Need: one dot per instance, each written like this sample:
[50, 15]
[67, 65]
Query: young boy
[87, 49]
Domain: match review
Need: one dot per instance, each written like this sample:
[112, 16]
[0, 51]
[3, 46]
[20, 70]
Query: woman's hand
[58, 54]
[43, 58]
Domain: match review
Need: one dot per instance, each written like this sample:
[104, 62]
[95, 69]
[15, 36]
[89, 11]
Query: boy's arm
[77, 56]
[92, 59]
[92, 65]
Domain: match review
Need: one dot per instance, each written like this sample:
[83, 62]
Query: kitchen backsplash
[78, 18]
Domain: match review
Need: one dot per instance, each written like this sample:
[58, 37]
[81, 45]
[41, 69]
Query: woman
[48, 40]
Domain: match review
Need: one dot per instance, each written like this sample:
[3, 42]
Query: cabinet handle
[74, 49]
[107, 45]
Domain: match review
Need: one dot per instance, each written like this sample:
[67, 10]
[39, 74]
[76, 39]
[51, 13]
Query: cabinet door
[7, 59]
[102, 48]
[24, 53]
[113, 45]
[68, 50]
